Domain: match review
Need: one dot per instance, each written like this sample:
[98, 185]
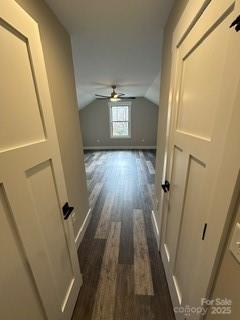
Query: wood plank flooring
[142, 272]
[122, 270]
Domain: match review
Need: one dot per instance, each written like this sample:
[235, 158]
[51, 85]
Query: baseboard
[119, 148]
[155, 228]
[83, 228]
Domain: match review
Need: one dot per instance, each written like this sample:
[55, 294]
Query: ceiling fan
[114, 97]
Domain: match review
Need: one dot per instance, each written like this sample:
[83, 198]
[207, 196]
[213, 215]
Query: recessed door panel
[15, 303]
[20, 119]
[190, 237]
[174, 203]
[203, 66]
[45, 200]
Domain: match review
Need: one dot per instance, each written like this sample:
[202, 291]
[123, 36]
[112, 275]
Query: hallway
[121, 266]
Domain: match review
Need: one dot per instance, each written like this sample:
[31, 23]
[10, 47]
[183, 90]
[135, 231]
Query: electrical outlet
[235, 242]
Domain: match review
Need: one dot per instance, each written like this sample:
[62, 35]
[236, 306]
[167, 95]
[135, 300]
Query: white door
[205, 84]
[40, 276]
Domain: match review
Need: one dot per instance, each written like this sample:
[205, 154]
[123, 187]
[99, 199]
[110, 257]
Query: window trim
[121, 104]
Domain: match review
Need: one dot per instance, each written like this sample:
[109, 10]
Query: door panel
[32, 178]
[202, 103]
[190, 237]
[21, 100]
[14, 269]
[197, 111]
[41, 182]
[174, 207]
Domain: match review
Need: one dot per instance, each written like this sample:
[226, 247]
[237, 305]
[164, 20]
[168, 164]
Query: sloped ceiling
[115, 42]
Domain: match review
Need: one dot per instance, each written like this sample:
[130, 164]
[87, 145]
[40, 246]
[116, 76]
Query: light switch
[235, 242]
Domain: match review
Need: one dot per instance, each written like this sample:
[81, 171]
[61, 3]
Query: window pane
[120, 113]
[120, 129]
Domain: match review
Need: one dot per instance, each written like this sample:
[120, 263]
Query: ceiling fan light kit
[114, 97]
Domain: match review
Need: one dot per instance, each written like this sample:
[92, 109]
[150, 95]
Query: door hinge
[236, 23]
[204, 231]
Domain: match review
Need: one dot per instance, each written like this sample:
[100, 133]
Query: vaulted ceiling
[115, 42]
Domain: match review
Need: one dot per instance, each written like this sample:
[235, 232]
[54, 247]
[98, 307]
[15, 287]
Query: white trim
[120, 104]
[83, 228]
[155, 228]
[119, 148]
[188, 19]
[119, 137]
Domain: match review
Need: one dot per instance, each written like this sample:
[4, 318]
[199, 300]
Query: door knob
[166, 186]
[67, 210]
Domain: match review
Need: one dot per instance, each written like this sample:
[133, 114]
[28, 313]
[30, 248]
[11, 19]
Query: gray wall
[95, 124]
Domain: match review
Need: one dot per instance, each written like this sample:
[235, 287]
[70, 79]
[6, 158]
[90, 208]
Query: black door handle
[236, 24]
[166, 186]
[67, 210]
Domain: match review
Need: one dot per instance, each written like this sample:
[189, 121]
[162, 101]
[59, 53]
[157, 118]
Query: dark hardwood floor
[122, 269]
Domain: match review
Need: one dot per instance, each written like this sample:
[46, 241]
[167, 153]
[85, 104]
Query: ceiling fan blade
[120, 94]
[101, 96]
[127, 98]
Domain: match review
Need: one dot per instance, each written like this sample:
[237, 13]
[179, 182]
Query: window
[120, 125]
